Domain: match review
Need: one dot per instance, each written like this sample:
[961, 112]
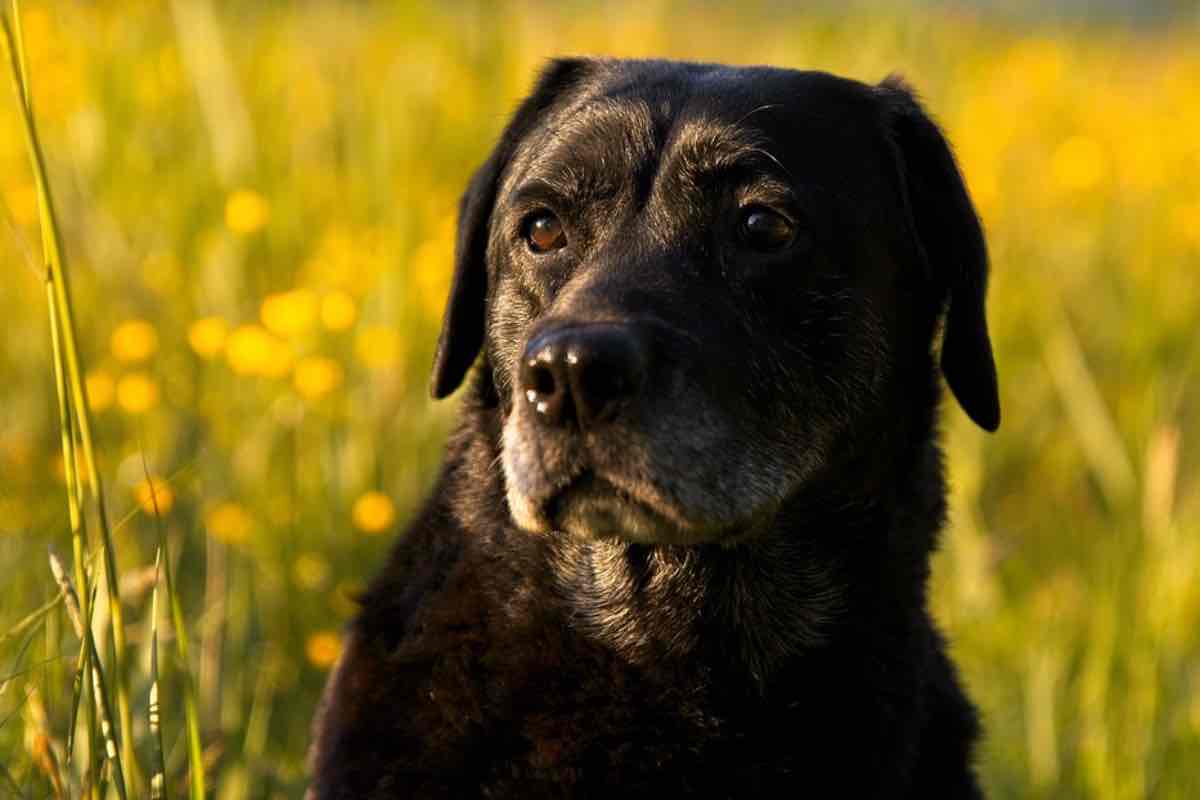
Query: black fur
[788, 437]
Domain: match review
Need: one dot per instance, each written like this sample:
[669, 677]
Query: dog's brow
[708, 147]
[588, 151]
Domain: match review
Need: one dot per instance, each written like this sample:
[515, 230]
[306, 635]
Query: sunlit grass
[258, 202]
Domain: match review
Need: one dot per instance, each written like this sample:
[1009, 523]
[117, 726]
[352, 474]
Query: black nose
[583, 374]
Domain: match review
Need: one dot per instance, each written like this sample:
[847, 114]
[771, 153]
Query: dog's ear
[463, 322]
[950, 238]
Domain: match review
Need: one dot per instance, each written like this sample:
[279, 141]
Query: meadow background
[257, 199]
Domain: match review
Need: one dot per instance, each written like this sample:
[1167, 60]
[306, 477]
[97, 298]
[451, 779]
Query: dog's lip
[585, 482]
[596, 486]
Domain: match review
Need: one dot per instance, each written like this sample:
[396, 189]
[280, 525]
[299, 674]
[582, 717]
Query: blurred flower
[337, 311]
[378, 347]
[323, 649]
[137, 393]
[229, 522]
[162, 495]
[289, 313]
[1079, 163]
[373, 512]
[317, 376]
[207, 336]
[101, 389]
[134, 340]
[246, 211]
[250, 350]
[310, 571]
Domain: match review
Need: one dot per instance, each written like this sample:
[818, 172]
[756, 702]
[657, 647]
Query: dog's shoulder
[433, 658]
[399, 651]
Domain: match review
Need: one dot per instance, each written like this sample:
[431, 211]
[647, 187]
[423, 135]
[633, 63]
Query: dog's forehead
[634, 115]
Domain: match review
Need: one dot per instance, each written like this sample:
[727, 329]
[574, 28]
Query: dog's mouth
[595, 488]
[595, 506]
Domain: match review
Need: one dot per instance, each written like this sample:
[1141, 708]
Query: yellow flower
[229, 522]
[1079, 164]
[317, 376]
[101, 389]
[250, 350]
[289, 313]
[378, 347]
[374, 512]
[337, 311]
[246, 211]
[280, 362]
[310, 571]
[137, 393]
[162, 495]
[134, 340]
[207, 336]
[323, 649]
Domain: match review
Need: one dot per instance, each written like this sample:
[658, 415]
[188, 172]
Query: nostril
[543, 382]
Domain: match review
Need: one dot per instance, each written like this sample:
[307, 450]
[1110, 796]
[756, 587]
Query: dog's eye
[544, 232]
[764, 230]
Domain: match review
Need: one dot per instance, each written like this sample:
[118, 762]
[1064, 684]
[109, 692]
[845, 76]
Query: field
[256, 204]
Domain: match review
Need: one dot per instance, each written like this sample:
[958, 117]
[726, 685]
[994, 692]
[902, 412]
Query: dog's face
[700, 290]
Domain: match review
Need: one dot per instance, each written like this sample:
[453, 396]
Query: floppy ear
[463, 322]
[950, 238]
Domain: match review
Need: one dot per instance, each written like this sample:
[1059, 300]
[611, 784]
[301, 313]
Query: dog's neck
[758, 602]
[756, 605]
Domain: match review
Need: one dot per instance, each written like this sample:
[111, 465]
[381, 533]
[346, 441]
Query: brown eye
[544, 233]
[764, 230]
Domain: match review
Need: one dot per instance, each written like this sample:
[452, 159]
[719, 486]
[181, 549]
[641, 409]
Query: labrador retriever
[680, 543]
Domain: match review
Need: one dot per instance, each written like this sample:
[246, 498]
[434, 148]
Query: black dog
[681, 540]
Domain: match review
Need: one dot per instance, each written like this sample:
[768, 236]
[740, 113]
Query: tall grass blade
[16, 667]
[41, 744]
[158, 780]
[31, 619]
[99, 687]
[52, 246]
[83, 673]
[10, 782]
[78, 681]
[191, 710]
[1089, 415]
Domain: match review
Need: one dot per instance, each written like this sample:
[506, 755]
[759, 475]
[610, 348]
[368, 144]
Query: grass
[244, 258]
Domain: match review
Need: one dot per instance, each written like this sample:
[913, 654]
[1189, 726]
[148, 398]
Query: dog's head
[701, 291]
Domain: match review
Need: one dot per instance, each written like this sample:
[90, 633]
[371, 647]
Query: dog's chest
[560, 711]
